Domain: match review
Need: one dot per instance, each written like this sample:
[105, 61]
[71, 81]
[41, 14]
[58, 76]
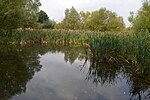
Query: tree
[72, 19]
[42, 17]
[103, 20]
[116, 24]
[50, 24]
[141, 21]
[58, 26]
[44, 20]
[31, 9]
[10, 13]
[18, 13]
[100, 20]
[84, 18]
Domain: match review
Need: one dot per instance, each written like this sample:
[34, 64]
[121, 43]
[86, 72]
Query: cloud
[56, 8]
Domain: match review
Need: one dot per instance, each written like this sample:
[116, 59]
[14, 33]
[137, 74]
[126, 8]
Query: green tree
[141, 21]
[58, 26]
[31, 9]
[10, 13]
[44, 20]
[84, 18]
[72, 19]
[50, 24]
[116, 24]
[104, 20]
[42, 17]
[18, 13]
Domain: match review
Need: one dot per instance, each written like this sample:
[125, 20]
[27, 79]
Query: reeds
[129, 48]
[28, 36]
[132, 49]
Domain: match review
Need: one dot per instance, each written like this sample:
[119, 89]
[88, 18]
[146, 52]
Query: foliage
[84, 18]
[141, 21]
[44, 21]
[103, 20]
[100, 20]
[71, 21]
[50, 24]
[18, 13]
[42, 17]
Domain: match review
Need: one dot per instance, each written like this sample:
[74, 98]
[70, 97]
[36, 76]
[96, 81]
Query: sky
[56, 8]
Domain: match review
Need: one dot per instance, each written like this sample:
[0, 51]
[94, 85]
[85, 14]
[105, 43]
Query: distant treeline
[26, 14]
[100, 20]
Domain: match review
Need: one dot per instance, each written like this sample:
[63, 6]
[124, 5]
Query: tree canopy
[100, 20]
[141, 21]
[71, 21]
[44, 21]
[103, 20]
[42, 17]
[18, 13]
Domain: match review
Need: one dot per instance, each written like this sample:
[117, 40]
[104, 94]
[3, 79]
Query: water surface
[49, 72]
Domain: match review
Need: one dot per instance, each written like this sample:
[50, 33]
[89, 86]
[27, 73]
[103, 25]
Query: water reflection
[18, 66]
[107, 73]
[139, 83]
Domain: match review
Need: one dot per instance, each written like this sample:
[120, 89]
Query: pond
[50, 72]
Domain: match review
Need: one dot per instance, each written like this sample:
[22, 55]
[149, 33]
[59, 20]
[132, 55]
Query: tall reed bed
[130, 48]
[29, 36]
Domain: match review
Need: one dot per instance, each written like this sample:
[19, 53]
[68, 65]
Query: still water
[49, 72]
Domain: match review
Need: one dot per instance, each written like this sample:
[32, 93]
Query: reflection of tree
[102, 72]
[19, 64]
[71, 53]
[17, 67]
[139, 82]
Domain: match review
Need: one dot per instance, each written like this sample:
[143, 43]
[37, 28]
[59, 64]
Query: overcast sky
[56, 8]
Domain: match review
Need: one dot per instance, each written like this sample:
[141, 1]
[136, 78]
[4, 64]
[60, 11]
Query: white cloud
[56, 8]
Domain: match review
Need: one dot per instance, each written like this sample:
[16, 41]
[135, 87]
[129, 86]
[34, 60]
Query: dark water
[66, 73]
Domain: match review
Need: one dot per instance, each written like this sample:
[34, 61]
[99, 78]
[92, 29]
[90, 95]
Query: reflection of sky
[59, 80]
